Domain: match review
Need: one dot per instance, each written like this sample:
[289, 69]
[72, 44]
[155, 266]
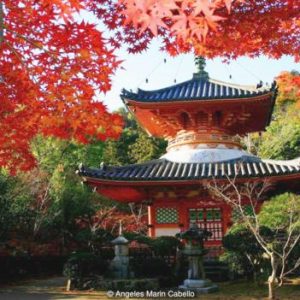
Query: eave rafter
[165, 119]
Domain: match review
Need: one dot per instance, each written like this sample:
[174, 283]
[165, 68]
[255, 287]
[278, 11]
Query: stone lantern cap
[194, 233]
[120, 240]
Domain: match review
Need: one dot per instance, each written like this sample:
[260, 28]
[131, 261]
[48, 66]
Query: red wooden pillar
[182, 216]
[151, 229]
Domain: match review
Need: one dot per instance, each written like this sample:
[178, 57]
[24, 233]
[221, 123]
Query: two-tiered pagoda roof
[200, 119]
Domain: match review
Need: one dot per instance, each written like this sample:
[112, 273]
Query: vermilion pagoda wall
[183, 208]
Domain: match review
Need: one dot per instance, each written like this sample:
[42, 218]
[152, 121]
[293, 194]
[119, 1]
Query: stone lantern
[194, 250]
[120, 264]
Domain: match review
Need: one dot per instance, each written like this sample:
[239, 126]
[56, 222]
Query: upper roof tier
[197, 89]
[202, 104]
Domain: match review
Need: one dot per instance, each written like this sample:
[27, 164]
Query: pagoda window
[209, 219]
[217, 118]
[185, 120]
[166, 215]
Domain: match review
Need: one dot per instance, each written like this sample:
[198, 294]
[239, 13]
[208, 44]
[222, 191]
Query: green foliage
[149, 267]
[237, 264]
[134, 145]
[282, 215]
[243, 254]
[5, 206]
[83, 264]
[16, 212]
[282, 138]
[279, 218]
[140, 238]
[161, 246]
[165, 245]
[280, 212]
[52, 153]
[145, 148]
[43, 205]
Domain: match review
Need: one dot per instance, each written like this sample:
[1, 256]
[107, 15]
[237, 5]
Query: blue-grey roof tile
[196, 89]
[165, 170]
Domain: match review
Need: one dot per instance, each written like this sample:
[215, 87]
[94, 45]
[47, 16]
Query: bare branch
[296, 266]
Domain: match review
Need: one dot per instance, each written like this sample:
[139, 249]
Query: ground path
[54, 289]
[45, 289]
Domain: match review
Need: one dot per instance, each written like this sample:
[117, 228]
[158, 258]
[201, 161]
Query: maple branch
[50, 53]
[21, 61]
[1, 22]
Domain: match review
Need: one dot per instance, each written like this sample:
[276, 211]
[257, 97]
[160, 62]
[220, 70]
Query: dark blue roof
[196, 89]
[164, 170]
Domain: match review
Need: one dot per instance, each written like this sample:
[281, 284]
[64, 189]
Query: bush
[84, 264]
[150, 267]
[237, 264]
[140, 238]
[162, 246]
[165, 245]
[19, 267]
[243, 254]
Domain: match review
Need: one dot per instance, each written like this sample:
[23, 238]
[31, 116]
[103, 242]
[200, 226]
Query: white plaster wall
[204, 155]
[166, 231]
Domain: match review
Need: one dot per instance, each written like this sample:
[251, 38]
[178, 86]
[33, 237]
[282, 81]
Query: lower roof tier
[164, 170]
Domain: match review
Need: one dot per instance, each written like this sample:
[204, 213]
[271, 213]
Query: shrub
[165, 245]
[140, 238]
[242, 253]
[84, 264]
[150, 267]
[22, 266]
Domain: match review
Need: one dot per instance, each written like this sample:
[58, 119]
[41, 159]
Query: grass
[237, 291]
[251, 291]
[54, 289]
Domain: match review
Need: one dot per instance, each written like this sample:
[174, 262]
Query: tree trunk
[272, 277]
[1, 22]
[68, 288]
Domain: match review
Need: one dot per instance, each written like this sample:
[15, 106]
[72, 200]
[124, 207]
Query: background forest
[47, 211]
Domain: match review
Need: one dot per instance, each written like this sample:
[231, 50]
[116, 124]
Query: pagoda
[202, 119]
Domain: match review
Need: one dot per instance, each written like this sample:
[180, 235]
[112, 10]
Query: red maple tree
[289, 87]
[52, 67]
[226, 28]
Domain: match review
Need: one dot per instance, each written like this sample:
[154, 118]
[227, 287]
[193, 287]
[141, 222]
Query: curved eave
[262, 103]
[178, 182]
[197, 89]
[133, 99]
[162, 171]
[133, 183]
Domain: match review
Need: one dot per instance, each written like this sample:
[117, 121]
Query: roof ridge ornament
[200, 63]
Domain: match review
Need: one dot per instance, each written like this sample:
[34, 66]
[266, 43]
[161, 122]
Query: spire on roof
[200, 65]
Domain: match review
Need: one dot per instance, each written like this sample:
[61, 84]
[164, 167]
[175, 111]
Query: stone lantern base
[199, 286]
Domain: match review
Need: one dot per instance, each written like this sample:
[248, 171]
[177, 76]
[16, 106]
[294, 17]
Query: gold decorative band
[212, 140]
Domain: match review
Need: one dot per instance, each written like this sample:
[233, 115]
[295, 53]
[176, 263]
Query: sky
[150, 66]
